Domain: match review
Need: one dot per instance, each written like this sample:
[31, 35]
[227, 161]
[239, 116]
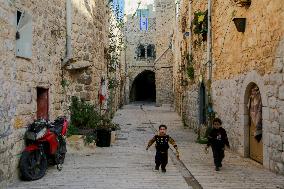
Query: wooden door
[256, 148]
[42, 103]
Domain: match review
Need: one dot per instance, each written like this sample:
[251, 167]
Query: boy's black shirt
[162, 142]
[218, 138]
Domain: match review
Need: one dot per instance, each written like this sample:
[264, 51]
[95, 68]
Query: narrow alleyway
[124, 165]
[128, 165]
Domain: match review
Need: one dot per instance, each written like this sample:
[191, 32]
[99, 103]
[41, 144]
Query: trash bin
[103, 138]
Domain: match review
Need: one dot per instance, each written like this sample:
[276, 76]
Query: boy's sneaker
[164, 170]
[217, 169]
[156, 168]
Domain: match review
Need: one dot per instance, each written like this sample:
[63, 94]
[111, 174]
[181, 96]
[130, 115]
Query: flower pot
[103, 138]
[240, 24]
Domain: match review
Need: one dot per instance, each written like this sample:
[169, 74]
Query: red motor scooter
[45, 142]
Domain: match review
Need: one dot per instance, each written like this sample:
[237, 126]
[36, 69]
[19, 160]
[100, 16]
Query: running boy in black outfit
[217, 139]
[162, 145]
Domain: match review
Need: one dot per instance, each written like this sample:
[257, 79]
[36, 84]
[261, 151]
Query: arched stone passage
[143, 87]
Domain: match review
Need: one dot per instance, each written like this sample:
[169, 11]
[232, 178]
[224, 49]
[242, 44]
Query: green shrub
[83, 114]
[89, 138]
[72, 130]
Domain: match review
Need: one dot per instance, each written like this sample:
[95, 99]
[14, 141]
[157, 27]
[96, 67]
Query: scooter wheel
[33, 165]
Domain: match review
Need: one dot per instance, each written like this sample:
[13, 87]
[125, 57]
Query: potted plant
[200, 23]
[105, 132]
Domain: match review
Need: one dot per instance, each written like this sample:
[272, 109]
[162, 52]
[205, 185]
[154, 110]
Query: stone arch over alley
[143, 87]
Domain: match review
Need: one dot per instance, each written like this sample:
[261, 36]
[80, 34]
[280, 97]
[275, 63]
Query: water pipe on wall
[68, 55]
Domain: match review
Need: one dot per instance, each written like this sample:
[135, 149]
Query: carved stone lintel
[78, 65]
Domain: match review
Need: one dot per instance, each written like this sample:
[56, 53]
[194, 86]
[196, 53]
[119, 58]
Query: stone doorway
[254, 123]
[144, 87]
[42, 103]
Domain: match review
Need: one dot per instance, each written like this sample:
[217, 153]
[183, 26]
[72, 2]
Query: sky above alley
[131, 5]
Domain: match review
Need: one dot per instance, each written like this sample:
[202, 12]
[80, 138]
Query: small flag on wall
[143, 14]
[103, 93]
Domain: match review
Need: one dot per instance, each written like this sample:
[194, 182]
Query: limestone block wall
[164, 81]
[253, 49]
[165, 16]
[255, 56]
[187, 95]
[89, 41]
[191, 108]
[240, 60]
[20, 77]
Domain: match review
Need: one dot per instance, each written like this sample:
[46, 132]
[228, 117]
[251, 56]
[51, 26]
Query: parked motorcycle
[45, 143]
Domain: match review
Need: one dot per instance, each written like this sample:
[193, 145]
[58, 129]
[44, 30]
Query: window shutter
[25, 34]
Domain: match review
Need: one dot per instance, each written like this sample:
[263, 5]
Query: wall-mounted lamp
[200, 78]
[240, 24]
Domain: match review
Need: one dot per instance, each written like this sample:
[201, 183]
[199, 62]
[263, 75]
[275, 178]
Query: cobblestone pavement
[126, 165]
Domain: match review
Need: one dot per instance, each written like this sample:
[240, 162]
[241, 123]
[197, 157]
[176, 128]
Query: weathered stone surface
[274, 127]
[85, 79]
[85, 95]
[79, 65]
[275, 155]
[281, 122]
[272, 102]
[20, 78]
[276, 142]
[279, 168]
[279, 64]
[281, 92]
[78, 88]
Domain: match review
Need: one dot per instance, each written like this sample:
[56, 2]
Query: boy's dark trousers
[218, 155]
[161, 158]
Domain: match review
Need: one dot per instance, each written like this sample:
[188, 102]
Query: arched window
[151, 51]
[141, 51]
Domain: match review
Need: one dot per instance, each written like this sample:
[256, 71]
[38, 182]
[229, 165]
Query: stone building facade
[242, 60]
[147, 55]
[35, 67]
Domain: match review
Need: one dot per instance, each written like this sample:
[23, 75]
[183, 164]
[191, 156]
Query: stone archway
[253, 79]
[143, 87]
[254, 114]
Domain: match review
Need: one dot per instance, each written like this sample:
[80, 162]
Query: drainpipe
[209, 62]
[68, 55]
[209, 43]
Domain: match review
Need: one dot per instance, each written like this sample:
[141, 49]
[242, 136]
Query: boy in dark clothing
[217, 139]
[162, 145]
